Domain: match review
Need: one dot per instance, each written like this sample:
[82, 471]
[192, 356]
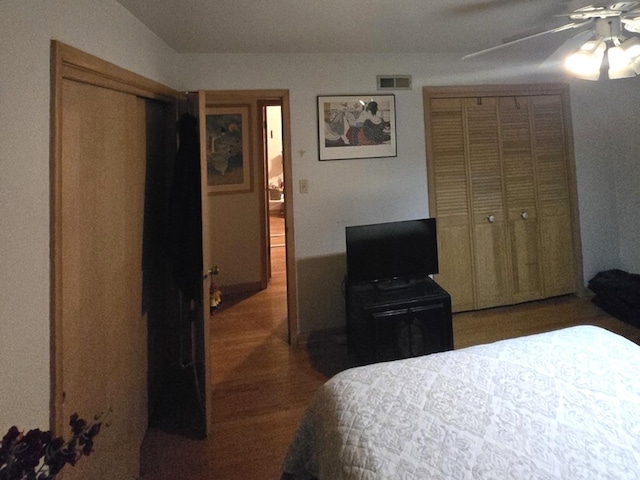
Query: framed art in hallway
[228, 150]
[356, 126]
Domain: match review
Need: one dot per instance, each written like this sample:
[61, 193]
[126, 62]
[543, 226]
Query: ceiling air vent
[394, 82]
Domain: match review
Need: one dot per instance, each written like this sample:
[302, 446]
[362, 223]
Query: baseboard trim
[241, 288]
[324, 336]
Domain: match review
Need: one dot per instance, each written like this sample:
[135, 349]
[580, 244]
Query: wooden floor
[261, 386]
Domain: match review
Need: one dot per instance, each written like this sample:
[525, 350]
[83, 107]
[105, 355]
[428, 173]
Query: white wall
[627, 173]
[107, 30]
[628, 197]
[608, 167]
[595, 143]
[351, 192]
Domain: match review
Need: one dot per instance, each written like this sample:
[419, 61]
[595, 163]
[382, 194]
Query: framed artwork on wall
[228, 149]
[356, 126]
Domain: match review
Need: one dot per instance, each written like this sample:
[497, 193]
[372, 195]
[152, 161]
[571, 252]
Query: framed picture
[228, 149]
[356, 126]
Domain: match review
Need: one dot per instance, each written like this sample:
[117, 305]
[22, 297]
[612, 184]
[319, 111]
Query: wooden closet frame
[73, 64]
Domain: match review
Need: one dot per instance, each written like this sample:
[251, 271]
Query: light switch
[304, 186]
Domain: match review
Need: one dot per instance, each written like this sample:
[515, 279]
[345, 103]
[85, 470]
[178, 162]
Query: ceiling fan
[602, 30]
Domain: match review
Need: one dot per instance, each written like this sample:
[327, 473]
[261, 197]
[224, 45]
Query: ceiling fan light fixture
[607, 28]
[632, 24]
[620, 66]
[585, 63]
[631, 47]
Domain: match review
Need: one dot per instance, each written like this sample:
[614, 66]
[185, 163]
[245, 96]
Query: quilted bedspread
[557, 405]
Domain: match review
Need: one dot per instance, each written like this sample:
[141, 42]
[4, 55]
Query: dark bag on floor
[618, 293]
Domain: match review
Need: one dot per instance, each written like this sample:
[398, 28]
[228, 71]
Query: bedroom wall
[352, 192]
[627, 175]
[107, 30]
[607, 152]
[628, 206]
[595, 144]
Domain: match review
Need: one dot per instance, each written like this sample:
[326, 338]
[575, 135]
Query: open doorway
[274, 176]
[275, 180]
[240, 231]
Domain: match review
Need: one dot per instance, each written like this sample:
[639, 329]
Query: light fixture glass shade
[585, 63]
[619, 64]
[631, 47]
[632, 24]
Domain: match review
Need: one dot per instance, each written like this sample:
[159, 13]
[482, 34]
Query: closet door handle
[524, 215]
[491, 218]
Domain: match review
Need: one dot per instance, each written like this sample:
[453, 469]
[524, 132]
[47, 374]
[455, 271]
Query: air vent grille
[394, 82]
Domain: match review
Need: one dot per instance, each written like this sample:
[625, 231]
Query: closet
[111, 141]
[501, 183]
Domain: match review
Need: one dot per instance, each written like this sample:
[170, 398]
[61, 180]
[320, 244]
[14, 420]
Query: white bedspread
[558, 405]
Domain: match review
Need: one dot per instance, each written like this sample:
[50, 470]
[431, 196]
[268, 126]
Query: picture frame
[228, 149]
[356, 126]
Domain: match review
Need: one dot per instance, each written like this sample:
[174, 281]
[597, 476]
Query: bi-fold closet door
[500, 176]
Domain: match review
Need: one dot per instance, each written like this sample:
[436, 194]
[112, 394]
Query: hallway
[260, 386]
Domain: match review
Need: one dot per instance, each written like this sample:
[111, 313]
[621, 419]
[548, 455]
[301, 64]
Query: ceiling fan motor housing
[609, 28]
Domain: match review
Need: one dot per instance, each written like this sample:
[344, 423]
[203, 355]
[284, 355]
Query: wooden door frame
[281, 97]
[69, 63]
[262, 108]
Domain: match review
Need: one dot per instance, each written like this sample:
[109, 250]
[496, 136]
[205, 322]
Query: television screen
[396, 250]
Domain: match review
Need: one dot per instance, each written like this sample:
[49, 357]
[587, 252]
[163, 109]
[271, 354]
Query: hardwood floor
[484, 326]
[261, 385]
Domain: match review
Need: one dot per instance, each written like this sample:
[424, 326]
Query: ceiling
[347, 26]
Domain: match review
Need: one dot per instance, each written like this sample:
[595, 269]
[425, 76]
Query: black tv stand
[398, 319]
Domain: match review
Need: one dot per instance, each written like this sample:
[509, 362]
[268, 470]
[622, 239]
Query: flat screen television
[385, 252]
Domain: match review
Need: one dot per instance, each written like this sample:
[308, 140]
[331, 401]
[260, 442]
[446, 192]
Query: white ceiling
[347, 26]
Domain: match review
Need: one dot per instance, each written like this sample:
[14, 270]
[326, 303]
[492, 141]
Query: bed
[557, 405]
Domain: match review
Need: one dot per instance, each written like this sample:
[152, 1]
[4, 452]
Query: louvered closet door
[520, 196]
[554, 202]
[502, 186]
[450, 201]
[489, 216]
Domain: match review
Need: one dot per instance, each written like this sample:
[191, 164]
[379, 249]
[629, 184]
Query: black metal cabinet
[392, 323]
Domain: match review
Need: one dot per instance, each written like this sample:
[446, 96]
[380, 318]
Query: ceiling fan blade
[561, 28]
[486, 5]
[529, 33]
[570, 46]
[624, 6]
[482, 6]
[603, 10]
